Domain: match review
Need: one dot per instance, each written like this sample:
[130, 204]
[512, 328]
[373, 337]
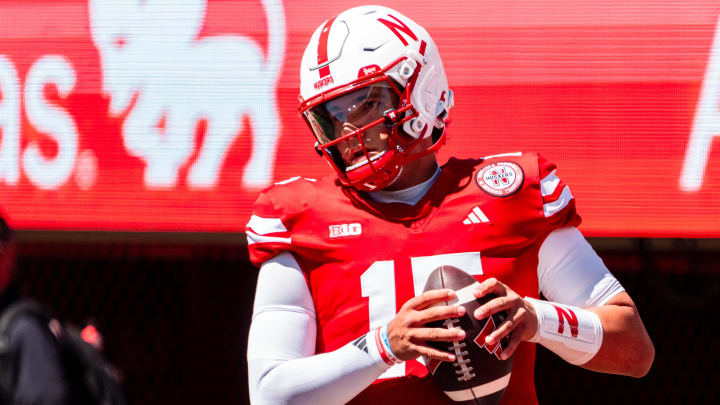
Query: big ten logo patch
[343, 230]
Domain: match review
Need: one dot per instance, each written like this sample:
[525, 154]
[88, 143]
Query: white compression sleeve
[570, 272]
[282, 365]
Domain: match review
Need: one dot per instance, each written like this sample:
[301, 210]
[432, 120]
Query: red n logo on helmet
[399, 26]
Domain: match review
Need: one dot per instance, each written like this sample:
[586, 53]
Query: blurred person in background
[31, 371]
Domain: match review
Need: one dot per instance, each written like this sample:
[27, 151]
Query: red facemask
[371, 101]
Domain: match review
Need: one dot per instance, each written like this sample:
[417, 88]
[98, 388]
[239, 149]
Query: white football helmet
[388, 69]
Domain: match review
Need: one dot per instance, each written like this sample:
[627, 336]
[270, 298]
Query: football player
[340, 311]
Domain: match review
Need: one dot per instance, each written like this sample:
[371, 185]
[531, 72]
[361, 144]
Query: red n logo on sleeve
[569, 315]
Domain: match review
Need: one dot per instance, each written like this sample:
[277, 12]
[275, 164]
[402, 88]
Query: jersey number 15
[378, 284]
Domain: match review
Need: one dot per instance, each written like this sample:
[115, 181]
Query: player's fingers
[515, 335]
[510, 349]
[433, 353]
[496, 305]
[437, 313]
[505, 327]
[428, 298]
[491, 285]
[436, 334]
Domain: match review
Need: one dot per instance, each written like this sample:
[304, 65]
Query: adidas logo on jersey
[476, 216]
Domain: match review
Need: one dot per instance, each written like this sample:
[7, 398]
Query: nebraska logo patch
[500, 179]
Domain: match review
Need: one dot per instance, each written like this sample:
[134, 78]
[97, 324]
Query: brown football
[477, 376]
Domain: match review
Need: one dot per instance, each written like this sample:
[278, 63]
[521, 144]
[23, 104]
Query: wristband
[573, 333]
[386, 341]
[385, 352]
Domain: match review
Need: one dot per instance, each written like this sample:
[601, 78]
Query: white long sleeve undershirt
[282, 365]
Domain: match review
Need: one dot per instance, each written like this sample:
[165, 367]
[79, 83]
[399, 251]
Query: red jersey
[362, 260]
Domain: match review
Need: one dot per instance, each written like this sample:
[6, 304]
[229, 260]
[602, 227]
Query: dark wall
[175, 318]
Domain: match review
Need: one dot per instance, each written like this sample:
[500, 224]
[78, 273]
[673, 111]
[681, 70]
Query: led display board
[153, 115]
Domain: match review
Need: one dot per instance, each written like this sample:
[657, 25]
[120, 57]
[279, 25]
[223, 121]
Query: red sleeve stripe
[254, 238]
[558, 205]
[549, 183]
[259, 229]
[264, 226]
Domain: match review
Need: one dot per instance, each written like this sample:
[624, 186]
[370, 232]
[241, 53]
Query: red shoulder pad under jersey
[270, 226]
[557, 201]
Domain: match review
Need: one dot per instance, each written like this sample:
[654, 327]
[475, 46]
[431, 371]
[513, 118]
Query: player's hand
[407, 331]
[521, 319]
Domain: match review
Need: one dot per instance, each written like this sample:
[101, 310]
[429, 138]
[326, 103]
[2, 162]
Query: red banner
[171, 115]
